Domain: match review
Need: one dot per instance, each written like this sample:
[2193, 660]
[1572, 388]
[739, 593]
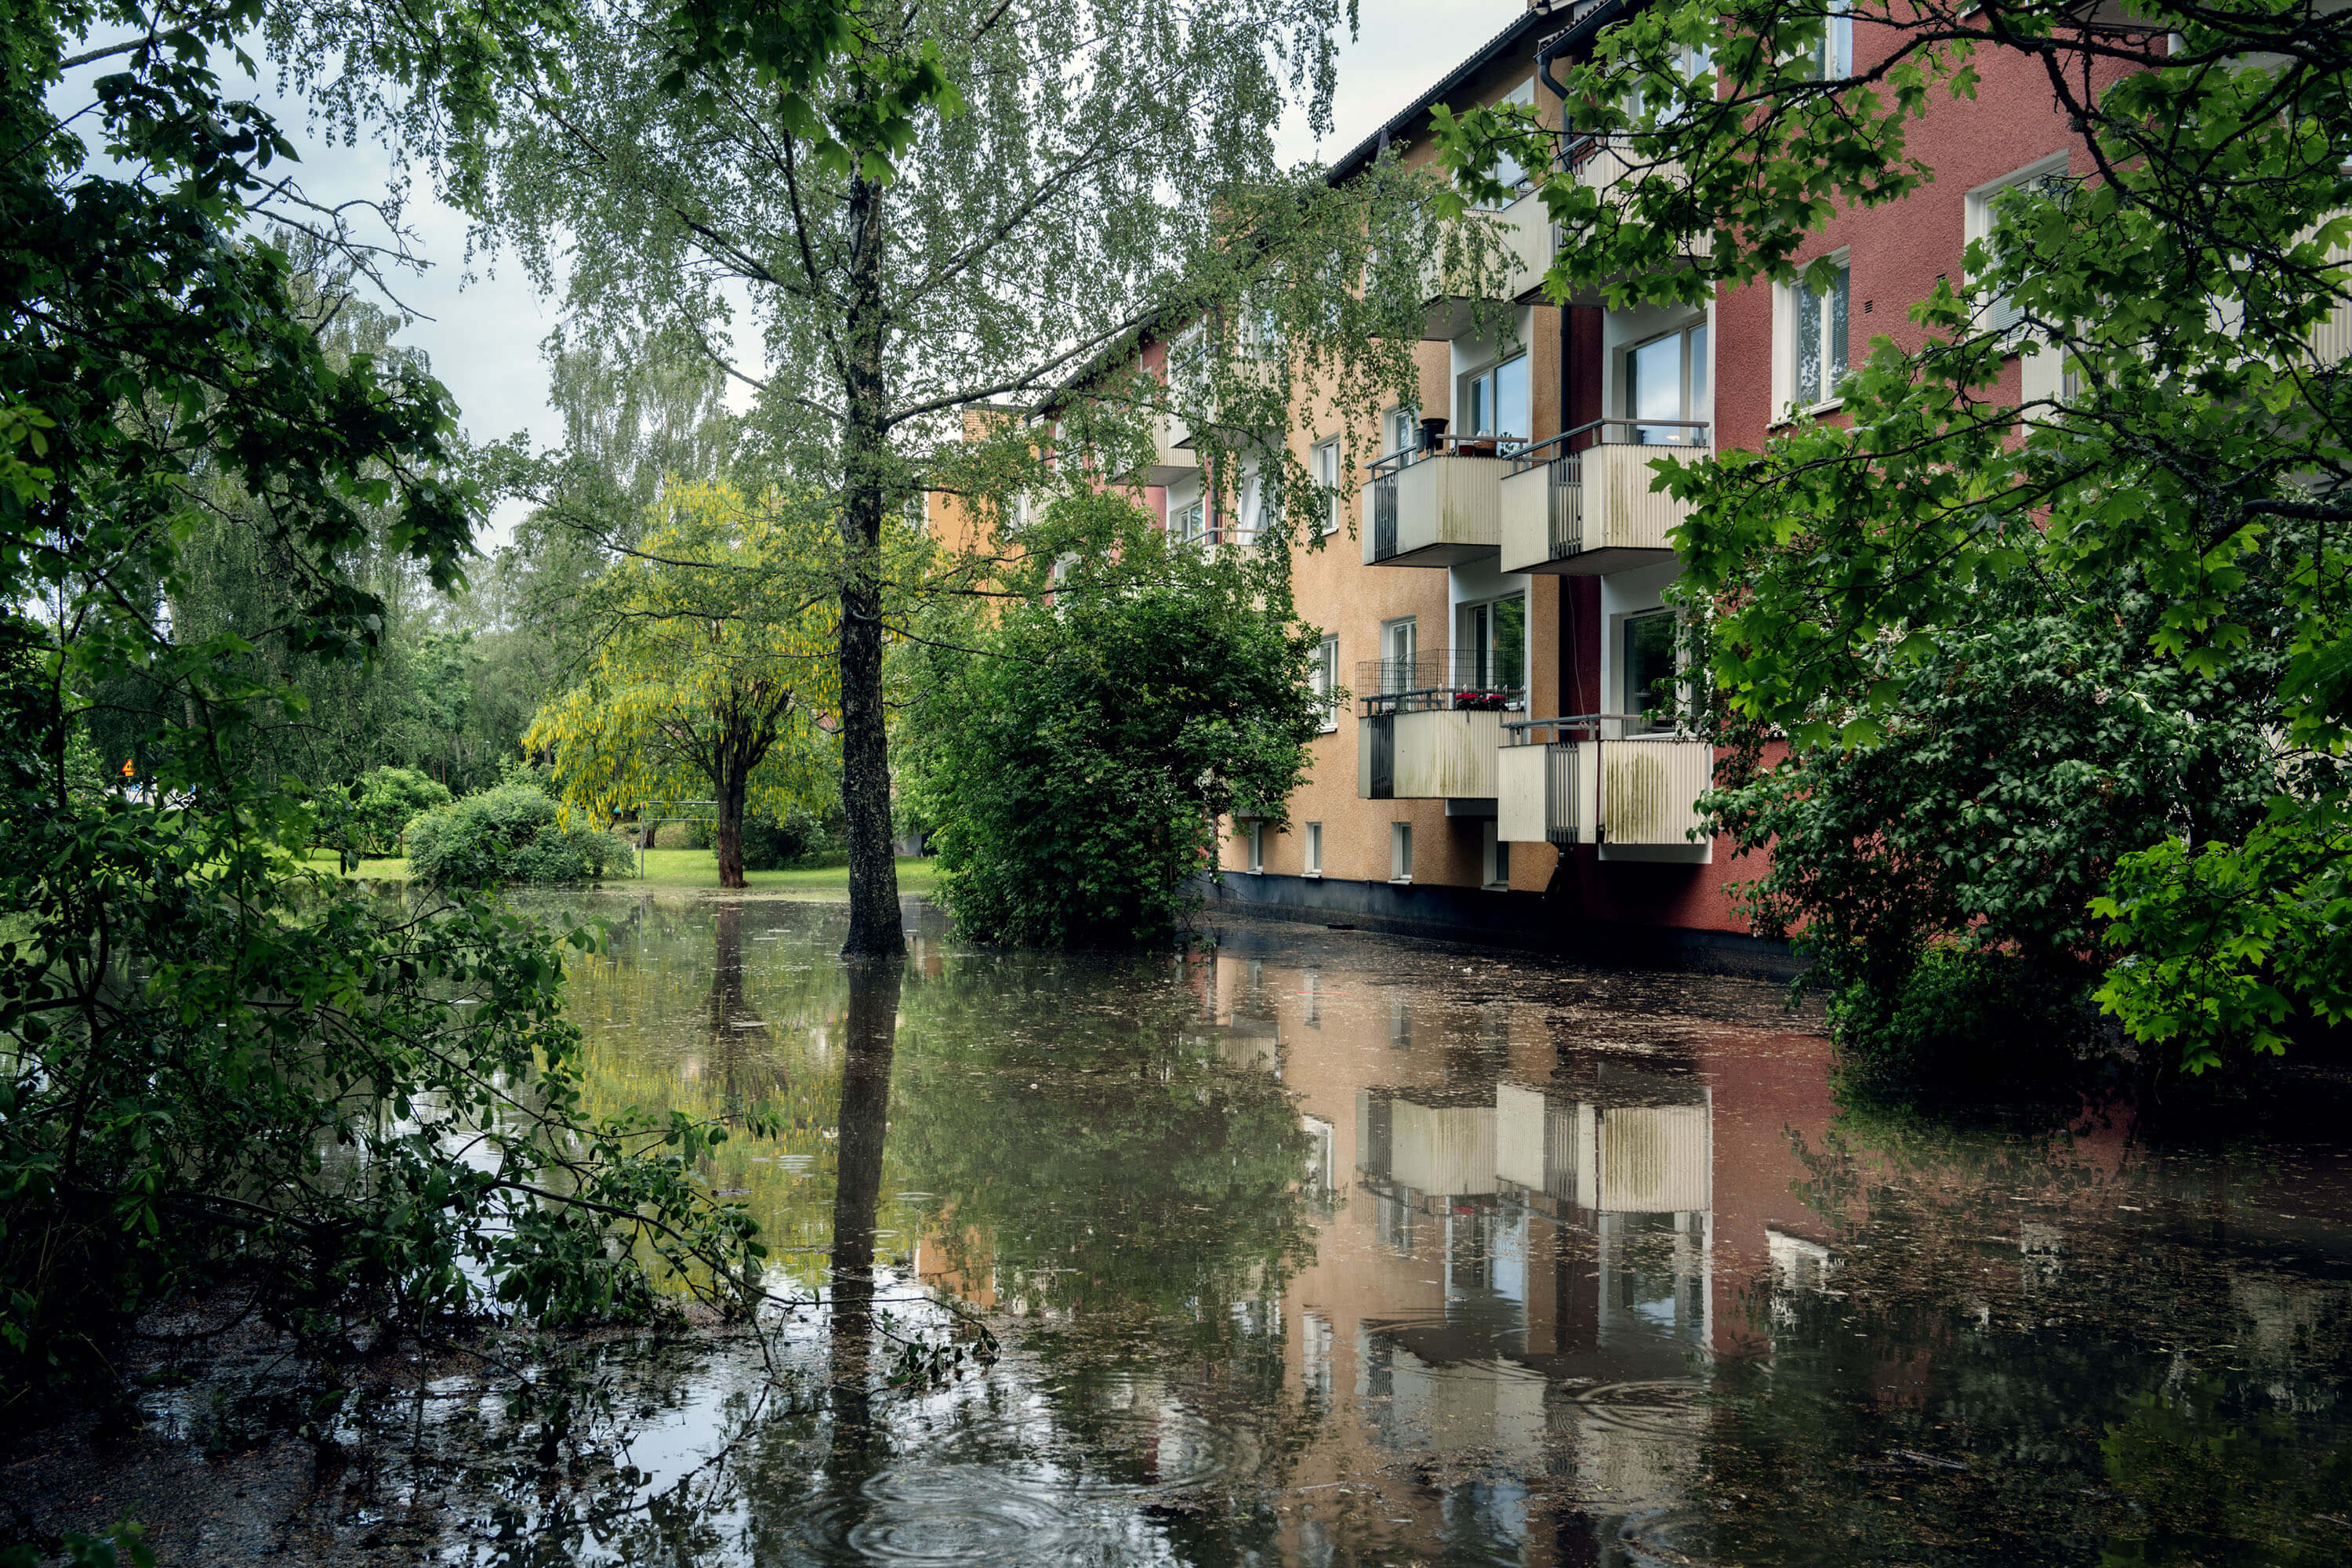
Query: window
[1507, 172]
[1830, 58]
[1984, 220]
[1257, 831]
[1324, 676]
[1493, 645]
[1646, 670]
[1192, 524]
[1269, 506]
[1495, 401]
[1314, 848]
[1326, 478]
[1691, 64]
[1498, 857]
[1400, 650]
[1399, 851]
[1400, 430]
[1812, 358]
[1666, 379]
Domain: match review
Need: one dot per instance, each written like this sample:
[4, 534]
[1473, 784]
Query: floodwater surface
[1322, 1248]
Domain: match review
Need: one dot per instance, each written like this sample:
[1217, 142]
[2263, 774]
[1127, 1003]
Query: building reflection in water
[1343, 1253]
[1515, 1304]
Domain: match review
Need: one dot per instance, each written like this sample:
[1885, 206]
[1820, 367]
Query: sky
[480, 320]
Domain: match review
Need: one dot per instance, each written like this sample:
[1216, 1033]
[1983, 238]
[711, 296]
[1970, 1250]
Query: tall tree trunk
[733, 782]
[873, 929]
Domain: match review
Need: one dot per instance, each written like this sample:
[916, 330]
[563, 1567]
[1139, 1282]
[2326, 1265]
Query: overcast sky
[485, 320]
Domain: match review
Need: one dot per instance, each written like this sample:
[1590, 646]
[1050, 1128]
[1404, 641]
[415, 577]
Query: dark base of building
[1531, 921]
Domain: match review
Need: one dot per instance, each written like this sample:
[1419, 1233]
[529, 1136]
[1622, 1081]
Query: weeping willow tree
[995, 203]
[711, 668]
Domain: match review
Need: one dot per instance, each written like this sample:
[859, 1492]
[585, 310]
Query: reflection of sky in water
[1327, 1250]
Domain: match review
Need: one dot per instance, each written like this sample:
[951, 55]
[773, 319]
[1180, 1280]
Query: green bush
[1076, 766]
[389, 798]
[509, 834]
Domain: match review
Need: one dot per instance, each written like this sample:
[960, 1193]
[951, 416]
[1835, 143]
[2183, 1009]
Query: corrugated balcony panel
[1528, 240]
[1649, 786]
[2331, 340]
[1172, 458]
[1603, 163]
[1444, 1151]
[1432, 754]
[1546, 793]
[1438, 512]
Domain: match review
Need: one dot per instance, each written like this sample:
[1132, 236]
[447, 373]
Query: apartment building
[1509, 765]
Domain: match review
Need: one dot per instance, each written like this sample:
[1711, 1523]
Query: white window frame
[1325, 458]
[1324, 676]
[1486, 373]
[1697, 340]
[1400, 430]
[1254, 834]
[1979, 216]
[1399, 852]
[1831, 59]
[1507, 172]
[1784, 346]
[1314, 866]
[1690, 63]
[1497, 859]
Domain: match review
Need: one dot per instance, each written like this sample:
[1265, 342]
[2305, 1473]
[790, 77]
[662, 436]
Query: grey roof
[1531, 20]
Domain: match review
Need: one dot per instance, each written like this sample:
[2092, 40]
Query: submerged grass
[696, 868]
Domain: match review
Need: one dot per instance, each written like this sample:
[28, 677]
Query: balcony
[1438, 506]
[1582, 502]
[1172, 458]
[1526, 232]
[1428, 727]
[1604, 162]
[1599, 778]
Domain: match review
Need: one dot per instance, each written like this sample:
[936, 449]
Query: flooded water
[1319, 1248]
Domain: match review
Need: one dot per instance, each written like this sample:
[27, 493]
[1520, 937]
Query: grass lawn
[699, 868]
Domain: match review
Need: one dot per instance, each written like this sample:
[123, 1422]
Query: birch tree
[1068, 181]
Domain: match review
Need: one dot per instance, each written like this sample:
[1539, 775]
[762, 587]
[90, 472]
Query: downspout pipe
[1578, 32]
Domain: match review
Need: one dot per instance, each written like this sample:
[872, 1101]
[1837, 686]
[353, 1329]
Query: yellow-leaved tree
[713, 667]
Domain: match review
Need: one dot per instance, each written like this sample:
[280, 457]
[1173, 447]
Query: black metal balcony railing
[1564, 455]
[1437, 680]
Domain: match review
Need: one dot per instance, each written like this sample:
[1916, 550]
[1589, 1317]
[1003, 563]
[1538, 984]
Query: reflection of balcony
[1585, 781]
[1585, 501]
[1429, 726]
[1624, 1159]
[1434, 507]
